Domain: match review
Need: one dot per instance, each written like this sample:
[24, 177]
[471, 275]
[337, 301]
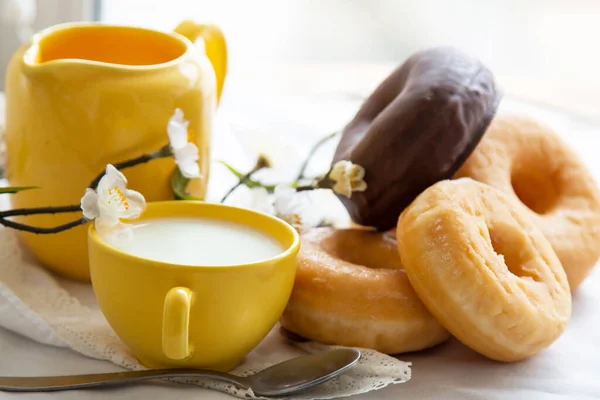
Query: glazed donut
[416, 128]
[483, 268]
[530, 162]
[350, 290]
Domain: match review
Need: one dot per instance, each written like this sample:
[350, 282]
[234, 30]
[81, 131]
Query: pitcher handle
[176, 323]
[215, 44]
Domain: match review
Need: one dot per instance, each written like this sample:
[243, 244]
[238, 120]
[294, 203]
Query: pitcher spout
[31, 55]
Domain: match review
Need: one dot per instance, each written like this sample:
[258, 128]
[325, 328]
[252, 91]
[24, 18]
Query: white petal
[339, 170]
[343, 165]
[284, 191]
[103, 184]
[260, 200]
[108, 213]
[112, 177]
[343, 188]
[187, 160]
[284, 199]
[137, 204]
[114, 234]
[311, 217]
[177, 130]
[189, 169]
[89, 204]
[358, 172]
[289, 202]
[359, 186]
[189, 151]
[257, 199]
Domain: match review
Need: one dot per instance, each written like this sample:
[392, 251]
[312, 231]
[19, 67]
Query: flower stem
[321, 183]
[312, 152]
[305, 188]
[37, 230]
[163, 152]
[261, 163]
[40, 210]
[324, 182]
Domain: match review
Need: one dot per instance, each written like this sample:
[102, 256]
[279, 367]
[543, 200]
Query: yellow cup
[82, 95]
[174, 316]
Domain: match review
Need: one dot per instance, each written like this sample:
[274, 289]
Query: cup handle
[176, 323]
[215, 44]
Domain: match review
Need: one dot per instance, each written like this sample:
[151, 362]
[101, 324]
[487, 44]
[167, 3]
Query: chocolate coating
[416, 128]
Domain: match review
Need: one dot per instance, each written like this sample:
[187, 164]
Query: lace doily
[34, 304]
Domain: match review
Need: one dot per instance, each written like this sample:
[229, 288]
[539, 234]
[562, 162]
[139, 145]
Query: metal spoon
[288, 377]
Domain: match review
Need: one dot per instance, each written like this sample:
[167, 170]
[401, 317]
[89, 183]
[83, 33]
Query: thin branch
[242, 180]
[261, 163]
[37, 230]
[40, 210]
[323, 182]
[306, 188]
[312, 152]
[163, 152]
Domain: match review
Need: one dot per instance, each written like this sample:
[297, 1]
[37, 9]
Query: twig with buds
[343, 177]
[261, 162]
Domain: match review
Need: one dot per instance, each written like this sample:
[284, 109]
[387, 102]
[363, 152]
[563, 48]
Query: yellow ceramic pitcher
[82, 95]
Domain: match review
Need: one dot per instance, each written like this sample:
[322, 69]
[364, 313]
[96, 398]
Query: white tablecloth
[284, 128]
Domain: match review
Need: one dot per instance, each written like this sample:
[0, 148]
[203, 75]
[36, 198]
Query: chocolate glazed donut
[416, 129]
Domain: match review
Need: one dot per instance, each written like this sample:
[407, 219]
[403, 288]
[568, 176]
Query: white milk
[199, 241]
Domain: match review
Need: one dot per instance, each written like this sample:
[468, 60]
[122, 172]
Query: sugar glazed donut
[415, 129]
[483, 268]
[350, 290]
[527, 160]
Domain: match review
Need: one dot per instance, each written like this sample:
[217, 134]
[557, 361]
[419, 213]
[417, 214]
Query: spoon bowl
[301, 373]
[286, 378]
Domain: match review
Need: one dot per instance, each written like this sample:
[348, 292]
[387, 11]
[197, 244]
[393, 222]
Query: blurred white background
[538, 39]
[545, 49]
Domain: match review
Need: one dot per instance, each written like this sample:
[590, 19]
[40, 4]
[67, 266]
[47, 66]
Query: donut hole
[509, 242]
[537, 188]
[366, 248]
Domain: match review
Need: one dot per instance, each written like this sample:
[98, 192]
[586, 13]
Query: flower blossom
[348, 178]
[285, 203]
[185, 153]
[290, 206]
[112, 201]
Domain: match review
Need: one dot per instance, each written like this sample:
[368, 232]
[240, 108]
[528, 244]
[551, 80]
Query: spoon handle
[54, 383]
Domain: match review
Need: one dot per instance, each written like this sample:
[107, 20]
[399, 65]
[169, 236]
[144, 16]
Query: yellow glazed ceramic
[194, 316]
[82, 95]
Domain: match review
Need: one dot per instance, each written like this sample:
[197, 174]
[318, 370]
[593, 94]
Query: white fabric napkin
[40, 306]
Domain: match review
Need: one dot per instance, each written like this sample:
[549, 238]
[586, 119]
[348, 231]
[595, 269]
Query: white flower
[257, 199]
[290, 205]
[348, 178]
[185, 153]
[112, 201]
[285, 203]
